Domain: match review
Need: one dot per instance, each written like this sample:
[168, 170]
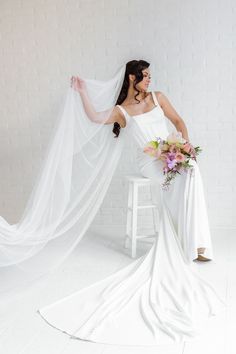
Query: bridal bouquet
[175, 152]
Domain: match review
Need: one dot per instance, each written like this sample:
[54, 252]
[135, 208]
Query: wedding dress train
[160, 297]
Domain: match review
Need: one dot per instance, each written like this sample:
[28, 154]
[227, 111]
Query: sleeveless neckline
[141, 114]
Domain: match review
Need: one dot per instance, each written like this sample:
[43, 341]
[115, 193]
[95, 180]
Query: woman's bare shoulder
[160, 96]
[158, 93]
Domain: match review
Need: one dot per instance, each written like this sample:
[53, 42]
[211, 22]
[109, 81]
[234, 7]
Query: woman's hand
[78, 84]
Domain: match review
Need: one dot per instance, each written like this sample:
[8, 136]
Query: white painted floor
[100, 254]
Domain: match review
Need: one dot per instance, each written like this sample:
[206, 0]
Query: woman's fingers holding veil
[77, 83]
[73, 81]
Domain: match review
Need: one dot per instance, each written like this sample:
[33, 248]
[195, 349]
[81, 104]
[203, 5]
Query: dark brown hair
[133, 67]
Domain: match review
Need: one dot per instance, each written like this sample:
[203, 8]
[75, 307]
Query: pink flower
[187, 148]
[179, 157]
[158, 152]
[150, 150]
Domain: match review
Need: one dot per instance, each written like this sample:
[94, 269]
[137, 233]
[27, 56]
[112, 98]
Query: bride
[160, 297]
[135, 101]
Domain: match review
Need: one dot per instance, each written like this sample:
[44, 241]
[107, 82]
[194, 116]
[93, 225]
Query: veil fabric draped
[80, 161]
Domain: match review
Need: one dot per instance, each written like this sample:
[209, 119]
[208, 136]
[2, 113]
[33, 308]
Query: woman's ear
[131, 77]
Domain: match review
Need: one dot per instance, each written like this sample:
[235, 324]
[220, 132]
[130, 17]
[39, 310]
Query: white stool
[135, 181]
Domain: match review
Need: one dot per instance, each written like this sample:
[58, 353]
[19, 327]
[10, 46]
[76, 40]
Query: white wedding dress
[160, 297]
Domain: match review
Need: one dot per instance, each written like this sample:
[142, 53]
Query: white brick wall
[191, 47]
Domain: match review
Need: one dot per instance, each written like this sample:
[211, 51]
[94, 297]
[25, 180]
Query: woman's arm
[172, 115]
[79, 85]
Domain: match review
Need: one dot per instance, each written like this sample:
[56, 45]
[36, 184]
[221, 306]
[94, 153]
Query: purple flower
[171, 156]
[171, 163]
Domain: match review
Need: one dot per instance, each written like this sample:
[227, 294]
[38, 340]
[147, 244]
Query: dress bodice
[145, 127]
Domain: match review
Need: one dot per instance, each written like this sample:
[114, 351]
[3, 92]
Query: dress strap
[122, 109]
[155, 98]
[126, 115]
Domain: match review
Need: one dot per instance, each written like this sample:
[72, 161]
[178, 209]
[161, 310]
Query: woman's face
[143, 85]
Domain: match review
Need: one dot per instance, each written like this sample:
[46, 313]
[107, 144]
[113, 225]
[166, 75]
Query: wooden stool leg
[134, 219]
[129, 216]
[155, 211]
[155, 218]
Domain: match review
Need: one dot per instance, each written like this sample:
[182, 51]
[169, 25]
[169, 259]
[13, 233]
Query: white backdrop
[192, 50]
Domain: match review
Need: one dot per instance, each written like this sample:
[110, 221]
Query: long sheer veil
[75, 175]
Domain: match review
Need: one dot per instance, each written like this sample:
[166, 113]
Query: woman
[159, 297]
[136, 100]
